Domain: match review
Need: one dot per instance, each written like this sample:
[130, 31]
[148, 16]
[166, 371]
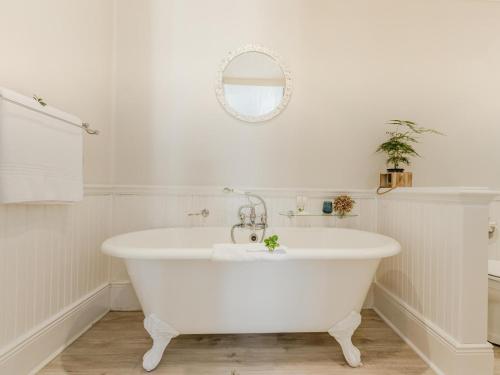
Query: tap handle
[203, 213]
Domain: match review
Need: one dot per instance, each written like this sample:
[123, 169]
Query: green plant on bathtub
[271, 242]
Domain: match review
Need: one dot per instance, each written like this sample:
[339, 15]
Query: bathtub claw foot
[342, 332]
[161, 333]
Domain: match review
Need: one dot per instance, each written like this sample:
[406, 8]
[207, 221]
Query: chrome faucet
[248, 215]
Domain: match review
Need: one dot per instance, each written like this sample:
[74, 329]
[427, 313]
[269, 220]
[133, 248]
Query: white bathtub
[319, 286]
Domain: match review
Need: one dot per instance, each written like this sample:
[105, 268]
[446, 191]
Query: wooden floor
[496, 350]
[115, 345]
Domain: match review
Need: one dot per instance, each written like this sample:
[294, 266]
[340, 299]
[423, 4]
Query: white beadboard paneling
[46, 341]
[138, 208]
[440, 351]
[441, 270]
[135, 209]
[50, 255]
[439, 277]
[49, 258]
[123, 297]
[424, 274]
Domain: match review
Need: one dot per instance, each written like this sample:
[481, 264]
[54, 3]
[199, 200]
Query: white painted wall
[355, 64]
[62, 51]
[50, 260]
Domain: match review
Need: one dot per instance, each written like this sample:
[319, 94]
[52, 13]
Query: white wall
[62, 51]
[355, 64]
[51, 267]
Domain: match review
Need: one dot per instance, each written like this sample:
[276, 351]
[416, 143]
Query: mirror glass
[253, 86]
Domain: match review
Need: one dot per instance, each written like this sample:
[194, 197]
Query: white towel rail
[84, 125]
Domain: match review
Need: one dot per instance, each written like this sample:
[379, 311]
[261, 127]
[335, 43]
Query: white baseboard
[38, 347]
[442, 353]
[123, 297]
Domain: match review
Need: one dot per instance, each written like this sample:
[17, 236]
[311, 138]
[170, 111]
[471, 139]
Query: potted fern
[399, 147]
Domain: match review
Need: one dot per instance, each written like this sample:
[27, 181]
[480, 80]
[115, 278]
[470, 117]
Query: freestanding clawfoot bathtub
[185, 286]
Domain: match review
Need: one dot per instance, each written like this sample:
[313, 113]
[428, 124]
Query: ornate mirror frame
[219, 86]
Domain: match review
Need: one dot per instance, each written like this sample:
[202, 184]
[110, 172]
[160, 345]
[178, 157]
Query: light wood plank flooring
[115, 345]
[496, 350]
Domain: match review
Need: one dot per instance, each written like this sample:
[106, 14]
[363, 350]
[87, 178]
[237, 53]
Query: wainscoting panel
[425, 274]
[50, 259]
[139, 208]
[54, 281]
[438, 283]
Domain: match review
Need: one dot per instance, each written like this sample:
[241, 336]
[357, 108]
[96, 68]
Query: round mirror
[253, 85]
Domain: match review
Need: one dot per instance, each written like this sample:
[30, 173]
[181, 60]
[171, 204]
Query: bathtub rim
[389, 248]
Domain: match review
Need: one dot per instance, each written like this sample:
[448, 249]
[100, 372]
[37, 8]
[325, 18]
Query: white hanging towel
[41, 154]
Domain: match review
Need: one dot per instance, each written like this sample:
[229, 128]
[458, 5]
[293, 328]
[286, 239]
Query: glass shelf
[291, 214]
